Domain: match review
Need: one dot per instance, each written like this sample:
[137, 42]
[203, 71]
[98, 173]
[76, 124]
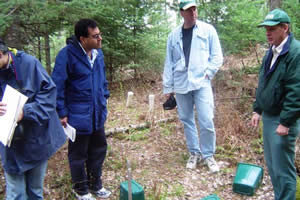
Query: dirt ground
[158, 154]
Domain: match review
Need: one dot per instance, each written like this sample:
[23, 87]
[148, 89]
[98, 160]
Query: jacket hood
[73, 41]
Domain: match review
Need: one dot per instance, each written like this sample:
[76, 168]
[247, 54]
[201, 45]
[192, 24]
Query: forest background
[134, 41]
[134, 31]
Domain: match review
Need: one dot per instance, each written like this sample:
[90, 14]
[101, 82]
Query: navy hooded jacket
[82, 89]
[39, 134]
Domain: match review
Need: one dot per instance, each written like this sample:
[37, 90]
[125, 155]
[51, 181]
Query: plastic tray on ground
[211, 197]
[137, 191]
[247, 178]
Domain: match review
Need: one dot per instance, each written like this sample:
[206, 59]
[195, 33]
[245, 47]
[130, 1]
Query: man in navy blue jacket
[79, 74]
[39, 133]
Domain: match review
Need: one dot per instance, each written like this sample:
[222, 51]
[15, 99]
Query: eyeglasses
[97, 36]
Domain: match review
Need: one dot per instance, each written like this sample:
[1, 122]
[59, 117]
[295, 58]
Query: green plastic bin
[137, 191]
[211, 197]
[247, 178]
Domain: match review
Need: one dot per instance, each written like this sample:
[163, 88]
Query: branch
[230, 98]
[12, 11]
[136, 126]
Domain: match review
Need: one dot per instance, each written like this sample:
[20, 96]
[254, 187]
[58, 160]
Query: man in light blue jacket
[193, 57]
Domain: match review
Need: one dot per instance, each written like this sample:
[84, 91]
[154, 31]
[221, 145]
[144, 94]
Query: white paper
[70, 131]
[8, 122]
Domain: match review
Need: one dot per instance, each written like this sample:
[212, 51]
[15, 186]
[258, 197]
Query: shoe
[193, 160]
[212, 164]
[102, 193]
[87, 196]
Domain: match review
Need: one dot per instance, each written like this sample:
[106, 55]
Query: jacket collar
[286, 46]
[77, 51]
[197, 28]
[268, 61]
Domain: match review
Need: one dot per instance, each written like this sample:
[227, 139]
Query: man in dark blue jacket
[39, 133]
[79, 74]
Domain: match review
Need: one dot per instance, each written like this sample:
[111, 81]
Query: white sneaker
[192, 161]
[87, 196]
[102, 193]
[212, 164]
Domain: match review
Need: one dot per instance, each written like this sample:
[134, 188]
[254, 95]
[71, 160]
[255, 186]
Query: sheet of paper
[8, 122]
[70, 131]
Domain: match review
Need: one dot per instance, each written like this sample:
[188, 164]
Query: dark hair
[3, 47]
[82, 27]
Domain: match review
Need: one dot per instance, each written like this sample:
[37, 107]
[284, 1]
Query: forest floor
[158, 154]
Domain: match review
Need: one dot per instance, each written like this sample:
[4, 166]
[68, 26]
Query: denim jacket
[205, 59]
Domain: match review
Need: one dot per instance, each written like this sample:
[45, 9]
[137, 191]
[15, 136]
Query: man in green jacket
[278, 103]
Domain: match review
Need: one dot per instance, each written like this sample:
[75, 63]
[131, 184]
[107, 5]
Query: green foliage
[167, 129]
[137, 135]
[166, 191]
[134, 34]
[238, 26]
[298, 189]
[134, 31]
[292, 9]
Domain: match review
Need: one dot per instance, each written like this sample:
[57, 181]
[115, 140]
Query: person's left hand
[2, 108]
[282, 130]
[21, 115]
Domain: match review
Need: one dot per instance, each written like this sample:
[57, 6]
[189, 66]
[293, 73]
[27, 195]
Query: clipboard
[8, 122]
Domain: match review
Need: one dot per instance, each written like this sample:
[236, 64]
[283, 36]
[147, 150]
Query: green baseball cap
[275, 17]
[185, 4]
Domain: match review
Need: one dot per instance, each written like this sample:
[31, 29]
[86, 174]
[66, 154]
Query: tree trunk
[274, 4]
[110, 69]
[47, 53]
[39, 49]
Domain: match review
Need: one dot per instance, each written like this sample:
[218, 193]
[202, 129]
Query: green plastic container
[137, 191]
[247, 178]
[211, 197]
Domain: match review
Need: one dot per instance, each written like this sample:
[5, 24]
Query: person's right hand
[64, 121]
[255, 119]
[167, 96]
[2, 108]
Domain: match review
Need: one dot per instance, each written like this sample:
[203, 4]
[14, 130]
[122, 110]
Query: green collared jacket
[278, 91]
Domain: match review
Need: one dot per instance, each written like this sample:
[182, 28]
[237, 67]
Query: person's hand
[167, 96]
[2, 108]
[282, 130]
[255, 119]
[64, 121]
[21, 115]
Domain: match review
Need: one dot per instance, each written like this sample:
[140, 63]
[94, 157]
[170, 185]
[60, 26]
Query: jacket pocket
[80, 117]
[272, 98]
[178, 61]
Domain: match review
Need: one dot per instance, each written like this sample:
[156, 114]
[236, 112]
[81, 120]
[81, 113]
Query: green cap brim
[268, 23]
[188, 6]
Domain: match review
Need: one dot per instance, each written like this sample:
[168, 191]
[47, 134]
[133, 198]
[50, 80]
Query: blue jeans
[279, 153]
[26, 186]
[203, 100]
